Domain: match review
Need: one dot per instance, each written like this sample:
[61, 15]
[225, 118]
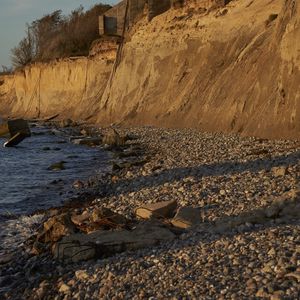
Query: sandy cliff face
[230, 69]
[71, 88]
[235, 68]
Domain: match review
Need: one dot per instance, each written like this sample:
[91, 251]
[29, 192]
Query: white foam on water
[14, 233]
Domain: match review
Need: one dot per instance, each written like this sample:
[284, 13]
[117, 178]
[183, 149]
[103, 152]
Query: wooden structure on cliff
[127, 12]
[112, 22]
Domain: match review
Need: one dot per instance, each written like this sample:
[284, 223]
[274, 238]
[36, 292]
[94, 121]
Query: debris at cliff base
[88, 141]
[157, 210]
[186, 217]
[113, 139]
[258, 245]
[17, 129]
[78, 247]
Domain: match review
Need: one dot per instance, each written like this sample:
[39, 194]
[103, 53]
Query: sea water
[26, 183]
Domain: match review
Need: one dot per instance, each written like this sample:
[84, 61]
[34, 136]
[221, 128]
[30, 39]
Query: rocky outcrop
[231, 69]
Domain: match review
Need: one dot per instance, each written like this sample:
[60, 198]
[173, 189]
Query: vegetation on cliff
[56, 36]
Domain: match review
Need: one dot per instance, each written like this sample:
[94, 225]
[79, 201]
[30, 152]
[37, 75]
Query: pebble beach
[227, 256]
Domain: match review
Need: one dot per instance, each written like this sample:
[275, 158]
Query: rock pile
[99, 232]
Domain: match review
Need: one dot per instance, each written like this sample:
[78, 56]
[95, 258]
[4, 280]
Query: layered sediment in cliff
[70, 87]
[232, 69]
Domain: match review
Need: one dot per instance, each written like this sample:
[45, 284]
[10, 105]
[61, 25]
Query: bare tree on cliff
[24, 53]
[56, 36]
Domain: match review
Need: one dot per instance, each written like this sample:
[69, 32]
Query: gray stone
[279, 171]
[186, 217]
[113, 139]
[165, 209]
[78, 247]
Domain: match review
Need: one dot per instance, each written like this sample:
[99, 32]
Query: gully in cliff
[16, 130]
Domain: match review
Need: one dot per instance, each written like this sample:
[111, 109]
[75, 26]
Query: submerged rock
[88, 141]
[59, 166]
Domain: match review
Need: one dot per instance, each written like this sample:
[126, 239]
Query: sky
[14, 14]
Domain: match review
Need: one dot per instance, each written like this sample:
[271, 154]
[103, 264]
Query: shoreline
[50, 146]
[225, 176]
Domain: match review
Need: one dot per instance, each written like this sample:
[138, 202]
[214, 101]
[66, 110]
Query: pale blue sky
[14, 14]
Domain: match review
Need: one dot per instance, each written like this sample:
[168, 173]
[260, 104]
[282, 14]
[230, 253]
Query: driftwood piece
[15, 140]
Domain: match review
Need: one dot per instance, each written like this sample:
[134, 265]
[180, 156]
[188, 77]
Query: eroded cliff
[70, 87]
[232, 69]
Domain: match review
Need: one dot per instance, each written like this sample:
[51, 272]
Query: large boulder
[165, 209]
[79, 247]
[55, 228]
[113, 139]
[186, 217]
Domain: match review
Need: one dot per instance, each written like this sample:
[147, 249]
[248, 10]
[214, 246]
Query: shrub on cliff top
[57, 36]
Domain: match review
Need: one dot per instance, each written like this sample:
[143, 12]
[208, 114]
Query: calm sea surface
[26, 184]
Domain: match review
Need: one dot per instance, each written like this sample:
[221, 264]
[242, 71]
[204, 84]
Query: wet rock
[5, 258]
[113, 139]
[88, 141]
[6, 280]
[100, 214]
[272, 211]
[128, 164]
[80, 219]
[59, 166]
[56, 227]
[78, 184]
[37, 248]
[126, 154]
[165, 209]
[66, 123]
